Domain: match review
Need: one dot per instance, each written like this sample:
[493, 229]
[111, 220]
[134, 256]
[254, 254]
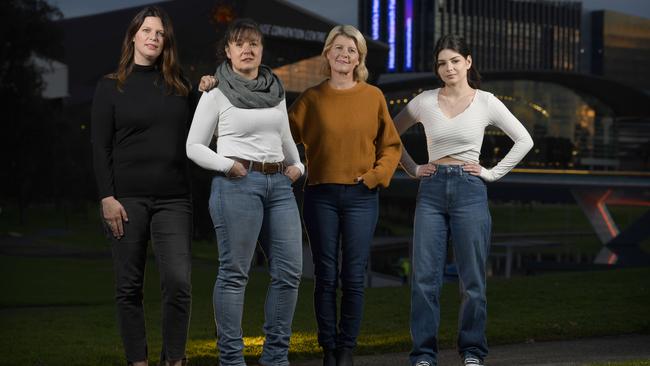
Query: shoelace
[423, 363]
[471, 361]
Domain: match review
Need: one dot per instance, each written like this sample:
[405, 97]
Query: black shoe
[344, 357]
[329, 357]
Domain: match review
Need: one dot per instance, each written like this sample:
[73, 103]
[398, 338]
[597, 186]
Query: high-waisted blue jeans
[453, 203]
[349, 212]
[242, 209]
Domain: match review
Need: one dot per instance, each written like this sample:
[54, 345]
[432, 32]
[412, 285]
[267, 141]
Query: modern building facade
[620, 48]
[293, 40]
[504, 34]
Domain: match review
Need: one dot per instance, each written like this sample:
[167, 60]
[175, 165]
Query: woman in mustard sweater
[352, 148]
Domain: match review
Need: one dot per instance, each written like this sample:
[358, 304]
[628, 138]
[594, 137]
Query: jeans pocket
[474, 179]
[287, 178]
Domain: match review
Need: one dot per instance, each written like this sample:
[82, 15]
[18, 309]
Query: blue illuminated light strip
[408, 35]
[374, 20]
[392, 18]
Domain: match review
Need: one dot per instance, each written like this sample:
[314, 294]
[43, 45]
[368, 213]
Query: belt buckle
[267, 168]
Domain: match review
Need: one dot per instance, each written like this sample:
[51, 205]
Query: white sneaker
[472, 361]
[423, 363]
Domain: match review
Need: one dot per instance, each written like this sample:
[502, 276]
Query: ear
[227, 49]
[469, 62]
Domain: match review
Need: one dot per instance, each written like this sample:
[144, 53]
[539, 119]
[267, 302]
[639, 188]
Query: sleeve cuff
[370, 180]
[487, 175]
[300, 166]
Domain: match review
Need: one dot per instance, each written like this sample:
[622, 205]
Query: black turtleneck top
[138, 137]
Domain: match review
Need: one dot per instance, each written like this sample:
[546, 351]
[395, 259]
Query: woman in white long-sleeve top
[256, 162]
[452, 198]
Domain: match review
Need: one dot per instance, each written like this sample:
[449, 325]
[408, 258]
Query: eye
[352, 50]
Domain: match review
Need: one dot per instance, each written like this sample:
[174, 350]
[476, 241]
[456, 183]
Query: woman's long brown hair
[167, 62]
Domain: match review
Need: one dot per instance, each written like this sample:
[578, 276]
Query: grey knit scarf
[265, 91]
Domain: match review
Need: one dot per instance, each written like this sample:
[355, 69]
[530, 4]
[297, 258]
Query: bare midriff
[447, 161]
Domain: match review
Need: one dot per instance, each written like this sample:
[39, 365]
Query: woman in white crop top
[452, 198]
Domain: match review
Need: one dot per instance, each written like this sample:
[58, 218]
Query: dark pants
[350, 212]
[168, 222]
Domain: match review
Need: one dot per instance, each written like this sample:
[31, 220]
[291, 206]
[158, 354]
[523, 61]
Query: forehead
[245, 35]
[152, 22]
[448, 54]
[344, 40]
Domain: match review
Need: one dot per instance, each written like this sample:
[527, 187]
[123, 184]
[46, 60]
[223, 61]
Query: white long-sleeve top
[258, 134]
[461, 137]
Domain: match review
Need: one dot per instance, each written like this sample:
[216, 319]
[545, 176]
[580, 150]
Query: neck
[457, 89]
[342, 81]
[142, 61]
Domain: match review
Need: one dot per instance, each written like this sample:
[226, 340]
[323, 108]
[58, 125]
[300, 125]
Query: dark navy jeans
[348, 212]
[450, 202]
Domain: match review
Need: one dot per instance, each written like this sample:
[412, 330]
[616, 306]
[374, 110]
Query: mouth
[152, 47]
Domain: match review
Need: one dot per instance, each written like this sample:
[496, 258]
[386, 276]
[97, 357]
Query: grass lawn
[59, 311]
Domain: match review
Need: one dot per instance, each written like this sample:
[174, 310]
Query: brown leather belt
[262, 167]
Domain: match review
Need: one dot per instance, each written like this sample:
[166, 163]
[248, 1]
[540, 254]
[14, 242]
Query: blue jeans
[349, 212]
[242, 209]
[450, 202]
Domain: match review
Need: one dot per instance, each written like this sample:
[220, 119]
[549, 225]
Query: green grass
[61, 312]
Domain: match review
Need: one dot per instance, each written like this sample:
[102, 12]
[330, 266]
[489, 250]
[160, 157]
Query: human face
[148, 41]
[452, 67]
[343, 56]
[245, 55]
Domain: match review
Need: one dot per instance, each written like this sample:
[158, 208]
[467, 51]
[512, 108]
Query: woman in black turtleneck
[140, 116]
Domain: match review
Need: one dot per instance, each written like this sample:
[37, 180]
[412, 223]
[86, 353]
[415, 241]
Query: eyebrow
[453, 58]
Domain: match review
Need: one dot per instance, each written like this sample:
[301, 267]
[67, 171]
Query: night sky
[341, 11]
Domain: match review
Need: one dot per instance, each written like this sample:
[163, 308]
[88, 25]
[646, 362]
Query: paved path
[560, 353]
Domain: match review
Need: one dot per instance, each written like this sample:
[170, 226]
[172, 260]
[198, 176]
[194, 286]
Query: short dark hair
[458, 44]
[239, 29]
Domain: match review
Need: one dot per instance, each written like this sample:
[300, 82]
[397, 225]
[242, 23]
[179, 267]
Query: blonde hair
[361, 71]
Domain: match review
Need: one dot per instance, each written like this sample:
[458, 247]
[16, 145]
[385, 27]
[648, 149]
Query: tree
[27, 30]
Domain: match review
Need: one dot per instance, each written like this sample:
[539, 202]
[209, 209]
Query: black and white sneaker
[423, 363]
[472, 361]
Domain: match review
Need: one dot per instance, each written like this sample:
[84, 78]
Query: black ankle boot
[344, 357]
[329, 357]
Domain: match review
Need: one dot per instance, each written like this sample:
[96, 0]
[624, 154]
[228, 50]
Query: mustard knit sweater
[347, 134]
